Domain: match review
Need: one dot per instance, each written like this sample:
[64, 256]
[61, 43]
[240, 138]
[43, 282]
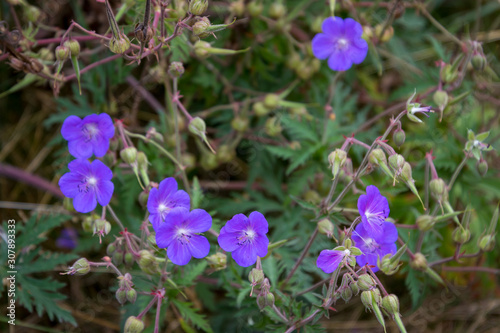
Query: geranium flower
[245, 238]
[163, 199]
[374, 209]
[87, 183]
[374, 246]
[329, 260]
[88, 136]
[341, 43]
[179, 234]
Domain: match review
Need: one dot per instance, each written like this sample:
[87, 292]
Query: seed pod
[390, 303]
[133, 325]
[73, 46]
[277, 10]
[176, 69]
[131, 295]
[419, 262]
[80, 267]
[198, 7]
[461, 235]
[62, 53]
[121, 296]
[260, 109]
[399, 137]
[129, 155]
[366, 282]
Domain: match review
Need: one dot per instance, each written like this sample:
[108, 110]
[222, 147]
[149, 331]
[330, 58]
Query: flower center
[342, 44]
[183, 236]
[247, 237]
[371, 244]
[347, 253]
[87, 184]
[90, 131]
[162, 208]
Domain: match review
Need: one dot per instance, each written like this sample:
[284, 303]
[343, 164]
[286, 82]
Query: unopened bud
[256, 276]
[337, 159]
[425, 222]
[260, 109]
[73, 46]
[217, 261]
[197, 126]
[129, 155]
[131, 295]
[201, 49]
[399, 137]
[87, 224]
[133, 325]
[377, 157]
[237, 8]
[354, 288]
[482, 167]
[366, 282]
[240, 123]
[479, 62]
[255, 8]
[121, 296]
[176, 69]
[80, 267]
[102, 227]
[396, 162]
[128, 259]
[273, 126]
[390, 303]
[346, 294]
[438, 189]
[110, 249]
[487, 243]
[367, 299]
[119, 45]
[200, 28]
[449, 74]
[225, 153]
[62, 53]
[147, 262]
[387, 35]
[461, 235]
[117, 258]
[419, 262]
[271, 101]
[277, 10]
[143, 198]
[325, 227]
[198, 7]
[441, 98]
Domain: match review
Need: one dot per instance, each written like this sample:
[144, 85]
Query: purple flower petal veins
[163, 199]
[179, 234]
[329, 260]
[374, 246]
[89, 135]
[374, 209]
[87, 183]
[341, 43]
[245, 238]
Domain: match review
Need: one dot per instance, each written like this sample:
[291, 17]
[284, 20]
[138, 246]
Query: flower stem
[439, 26]
[378, 281]
[107, 264]
[143, 312]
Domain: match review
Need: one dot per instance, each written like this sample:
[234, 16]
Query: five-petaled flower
[329, 260]
[374, 246]
[374, 209]
[163, 199]
[245, 238]
[413, 108]
[179, 234]
[87, 183]
[341, 43]
[89, 135]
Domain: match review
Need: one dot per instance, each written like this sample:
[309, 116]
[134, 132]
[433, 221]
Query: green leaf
[282, 152]
[300, 130]
[303, 157]
[304, 204]
[76, 67]
[192, 273]
[190, 314]
[34, 231]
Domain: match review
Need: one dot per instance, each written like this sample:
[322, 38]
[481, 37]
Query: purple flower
[374, 209]
[329, 260]
[163, 199]
[68, 239]
[87, 183]
[88, 136]
[374, 246]
[245, 238]
[179, 234]
[341, 43]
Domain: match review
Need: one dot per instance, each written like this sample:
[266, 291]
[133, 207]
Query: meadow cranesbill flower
[87, 183]
[329, 260]
[413, 108]
[163, 199]
[179, 234]
[374, 246]
[245, 238]
[341, 43]
[374, 209]
[89, 135]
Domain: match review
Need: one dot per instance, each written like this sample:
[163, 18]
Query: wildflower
[88, 136]
[329, 260]
[374, 209]
[87, 183]
[374, 246]
[163, 199]
[245, 238]
[341, 43]
[179, 234]
[414, 108]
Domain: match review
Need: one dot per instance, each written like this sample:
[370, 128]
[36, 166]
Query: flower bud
[390, 303]
[87, 224]
[133, 325]
[482, 167]
[240, 123]
[225, 153]
[479, 62]
[346, 294]
[366, 282]
[337, 160]
[117, 258]
[399, 137]
[317, 24]
[201, 49]
[131, 295]
[312, 197]
[32, 13]
[273, 126]
[237, 7]
[461, 235]
[449, 73]
[143, 33]
[271, 101]
[255, 8]
[176, 69]
[441, 98]
[396, 162]
[293, 61]
[355, 288]
[367, 299]
[209, 161]
[121, 296]
[119, 45]
[197, 126]
[387, 35]
[143, 198]
[147, 262]
[377, 157]
[325, 227]
[256, 276]
[419, 262]
[68, 205]
[129, 155]
[200, 27]
[73, 46]
[277, 10]
[62, 53]
[198, 7]
[102, 227]
[487, 243]
[260, 109]
[425, 222]
[128, 259]
[217, 261]
[438, 189]
[265, 300]
[110, 249]
[80, 267]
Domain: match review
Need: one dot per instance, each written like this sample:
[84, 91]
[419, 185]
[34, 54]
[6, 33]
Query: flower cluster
[341, 43]
[87, 182]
